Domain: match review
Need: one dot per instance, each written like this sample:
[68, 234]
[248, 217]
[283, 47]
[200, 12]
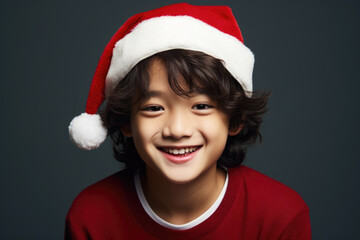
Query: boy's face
[179, 138]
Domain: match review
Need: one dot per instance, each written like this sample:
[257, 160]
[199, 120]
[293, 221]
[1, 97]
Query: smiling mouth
[179, 151]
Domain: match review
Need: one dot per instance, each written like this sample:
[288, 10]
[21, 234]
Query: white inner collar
[185, 226]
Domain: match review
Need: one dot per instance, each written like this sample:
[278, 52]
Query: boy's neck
[181, 203]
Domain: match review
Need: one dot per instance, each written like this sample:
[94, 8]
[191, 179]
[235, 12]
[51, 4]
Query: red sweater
[254, 207]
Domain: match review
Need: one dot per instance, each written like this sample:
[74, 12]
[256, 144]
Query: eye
[202, 106]
[152, 108]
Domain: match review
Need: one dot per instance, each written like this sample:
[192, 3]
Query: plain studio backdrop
[307, 54]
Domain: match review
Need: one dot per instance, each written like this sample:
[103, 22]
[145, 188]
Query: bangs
[189, 72]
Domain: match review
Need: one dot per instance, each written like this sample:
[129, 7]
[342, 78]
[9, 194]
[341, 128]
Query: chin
[183, 175]
[180, 180]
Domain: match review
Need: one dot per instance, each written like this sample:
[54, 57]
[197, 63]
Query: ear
[126, 130]
[235, 130]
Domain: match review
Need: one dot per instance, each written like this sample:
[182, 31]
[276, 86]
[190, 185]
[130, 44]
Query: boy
[181, 111]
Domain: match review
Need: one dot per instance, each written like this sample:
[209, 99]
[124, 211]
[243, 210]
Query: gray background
[306, 53]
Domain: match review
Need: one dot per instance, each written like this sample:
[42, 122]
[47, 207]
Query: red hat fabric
[209, 29]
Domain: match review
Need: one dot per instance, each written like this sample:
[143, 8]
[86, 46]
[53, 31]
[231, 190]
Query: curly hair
[202, 74]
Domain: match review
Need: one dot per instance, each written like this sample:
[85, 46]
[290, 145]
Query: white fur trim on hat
[87, 131]
[170, 32]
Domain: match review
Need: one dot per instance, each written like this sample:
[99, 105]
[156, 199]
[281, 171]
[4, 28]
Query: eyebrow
[161, 94]
[156, 94]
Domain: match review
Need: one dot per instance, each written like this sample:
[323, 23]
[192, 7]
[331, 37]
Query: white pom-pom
[87, 131]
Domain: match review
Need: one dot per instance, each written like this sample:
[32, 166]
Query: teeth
[179, 151]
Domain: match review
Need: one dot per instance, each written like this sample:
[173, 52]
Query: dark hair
[203, 74]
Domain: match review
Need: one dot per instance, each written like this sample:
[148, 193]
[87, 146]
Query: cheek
[144, 129]
[216, 127]
[215, 133]
[141, 135]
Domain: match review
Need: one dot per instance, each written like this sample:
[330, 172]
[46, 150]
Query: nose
[178, 125]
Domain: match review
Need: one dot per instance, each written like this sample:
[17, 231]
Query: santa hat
[210, 29]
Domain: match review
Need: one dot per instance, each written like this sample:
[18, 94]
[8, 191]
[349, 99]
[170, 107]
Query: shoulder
[269, 207]
[101, 195]
[102, 209]
[102, 188]
[267, 194]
